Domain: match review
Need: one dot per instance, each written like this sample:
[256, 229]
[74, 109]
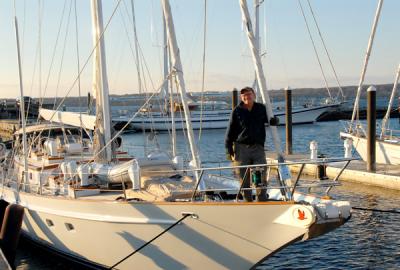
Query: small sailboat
[387, 147]
[86, 198]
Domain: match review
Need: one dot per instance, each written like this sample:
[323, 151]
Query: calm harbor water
[370, 240]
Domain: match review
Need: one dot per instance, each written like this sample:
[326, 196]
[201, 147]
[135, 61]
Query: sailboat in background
[216, 114]
[387, 147]
[89, 200]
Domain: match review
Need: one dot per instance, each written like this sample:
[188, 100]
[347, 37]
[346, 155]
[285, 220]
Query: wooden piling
[234, 98]
[10, 231]
[371, 129]
[288, 100]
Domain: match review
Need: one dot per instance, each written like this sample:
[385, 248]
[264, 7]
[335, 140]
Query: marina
[361, 250]
[173, 179]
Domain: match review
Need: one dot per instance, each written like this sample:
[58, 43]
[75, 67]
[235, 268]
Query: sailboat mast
[100, 87]
[22, 106]
[177, 67]
[389, 109]
[364, 70]
[168, 87]
[136, 47]
[257, 38]
[166, 66]
[259, 72]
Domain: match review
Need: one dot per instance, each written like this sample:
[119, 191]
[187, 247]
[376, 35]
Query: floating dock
[386, 176]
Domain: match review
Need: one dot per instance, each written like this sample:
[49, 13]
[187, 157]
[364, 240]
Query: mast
[164, 92]
[177, 67]
[389, 109]
[168, 86]
[100, 87]
[259, 72]
[136, 47]
[257, 39]
[22, 106]
[284, 173]
[364, 70]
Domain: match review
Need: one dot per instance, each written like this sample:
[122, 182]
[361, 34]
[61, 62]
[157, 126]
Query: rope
[185, 215]
[326, 50]
[315, 49]
[376, 210]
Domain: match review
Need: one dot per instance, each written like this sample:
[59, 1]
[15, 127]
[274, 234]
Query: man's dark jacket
[246, 127]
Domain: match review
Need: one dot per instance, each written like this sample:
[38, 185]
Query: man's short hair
[246, 89]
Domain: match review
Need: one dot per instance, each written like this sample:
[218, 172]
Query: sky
[53, 37]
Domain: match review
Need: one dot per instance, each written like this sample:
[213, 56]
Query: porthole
[69, 226]
[49, 222]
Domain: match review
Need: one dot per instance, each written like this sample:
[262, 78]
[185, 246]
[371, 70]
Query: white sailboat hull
[386, 152]
[223, 236]
[220, 119]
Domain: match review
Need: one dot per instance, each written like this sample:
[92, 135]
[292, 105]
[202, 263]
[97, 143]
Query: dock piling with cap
[234, 98]
[10, 231]
[288, 100]
[371, 129]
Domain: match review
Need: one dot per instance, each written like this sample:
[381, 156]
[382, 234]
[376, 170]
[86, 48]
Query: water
[370, 240]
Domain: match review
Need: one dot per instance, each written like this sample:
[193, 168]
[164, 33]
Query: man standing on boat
[245, 138]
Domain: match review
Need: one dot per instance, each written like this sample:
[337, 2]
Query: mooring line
[376, 210]
[185, 215]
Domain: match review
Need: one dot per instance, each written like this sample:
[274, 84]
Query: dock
[386, 176]
[7, 128]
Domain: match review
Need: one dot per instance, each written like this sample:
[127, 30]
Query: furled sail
[69, 118]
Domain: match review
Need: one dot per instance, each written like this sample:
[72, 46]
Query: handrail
[194, 191]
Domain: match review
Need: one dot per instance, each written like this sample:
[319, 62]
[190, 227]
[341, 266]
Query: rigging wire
[87, 59]
[278, 40]
[130, 120]
[55, 48]
[136, 45]
[62, 57]
[326, 51]
[140, 64]
[40, 19]
[83, 67]
[315, 49]
[204, 68]
[143, 68]
[78, 68]
[356, 111]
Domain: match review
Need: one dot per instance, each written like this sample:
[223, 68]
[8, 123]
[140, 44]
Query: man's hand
[229, 154]
[274, 121]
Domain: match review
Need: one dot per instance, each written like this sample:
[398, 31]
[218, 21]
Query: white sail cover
[69, 118]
